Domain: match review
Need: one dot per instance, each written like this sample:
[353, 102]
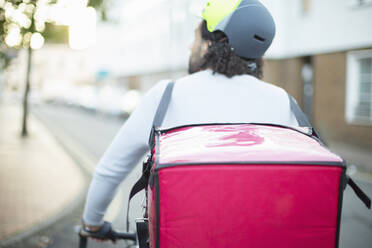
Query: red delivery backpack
[241, 185]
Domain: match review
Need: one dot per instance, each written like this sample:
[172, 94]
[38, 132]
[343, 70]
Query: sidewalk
[39, 182]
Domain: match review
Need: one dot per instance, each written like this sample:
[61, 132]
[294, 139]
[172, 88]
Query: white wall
[52, 65]
[154, 37]
[108, 52]
[330, 25]
[60, 64]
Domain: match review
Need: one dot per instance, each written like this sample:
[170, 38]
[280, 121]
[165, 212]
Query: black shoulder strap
[300, 116]
[158, 120]
[361, 195]
[141, 184]
[163, 105]
[161, 111]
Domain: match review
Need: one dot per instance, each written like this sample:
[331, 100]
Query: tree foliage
[16, 18]
[20, 19]
[101, 6]
[95, 3]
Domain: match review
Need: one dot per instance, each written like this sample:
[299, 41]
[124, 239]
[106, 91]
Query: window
[359, 88]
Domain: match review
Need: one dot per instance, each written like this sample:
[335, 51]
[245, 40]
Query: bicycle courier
[242, 185]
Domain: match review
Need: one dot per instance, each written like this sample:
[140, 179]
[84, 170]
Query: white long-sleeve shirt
[202, 97]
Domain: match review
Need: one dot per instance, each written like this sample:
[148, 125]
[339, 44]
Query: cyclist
[224, 85]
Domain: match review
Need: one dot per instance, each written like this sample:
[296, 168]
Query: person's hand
[99, 233]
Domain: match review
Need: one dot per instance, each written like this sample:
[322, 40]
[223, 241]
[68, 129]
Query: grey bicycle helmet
[248, 25]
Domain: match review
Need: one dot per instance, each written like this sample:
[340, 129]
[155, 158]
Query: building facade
[323, 57]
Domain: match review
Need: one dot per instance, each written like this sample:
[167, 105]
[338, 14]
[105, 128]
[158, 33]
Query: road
[94, 133]
[90, 134]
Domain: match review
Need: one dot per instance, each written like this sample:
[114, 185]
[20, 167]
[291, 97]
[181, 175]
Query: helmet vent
[259, 38]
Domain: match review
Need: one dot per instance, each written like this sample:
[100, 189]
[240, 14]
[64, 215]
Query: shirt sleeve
[128, 147]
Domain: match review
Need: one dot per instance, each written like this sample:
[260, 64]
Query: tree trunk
[26, 93]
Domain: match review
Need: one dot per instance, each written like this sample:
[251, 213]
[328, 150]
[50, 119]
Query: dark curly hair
[220, 57]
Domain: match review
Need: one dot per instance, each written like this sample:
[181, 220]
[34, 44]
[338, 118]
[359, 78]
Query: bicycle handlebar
[126, 236]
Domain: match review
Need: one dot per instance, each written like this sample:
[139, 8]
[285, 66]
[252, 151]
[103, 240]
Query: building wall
[158, 41]
[329, 101]
[286, 73]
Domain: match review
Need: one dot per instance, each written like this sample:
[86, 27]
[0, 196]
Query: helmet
[248, 25]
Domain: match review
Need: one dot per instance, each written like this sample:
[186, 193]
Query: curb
[85, 161]
[81, 159]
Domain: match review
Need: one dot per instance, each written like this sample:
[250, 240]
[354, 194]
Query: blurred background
[72, 71]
